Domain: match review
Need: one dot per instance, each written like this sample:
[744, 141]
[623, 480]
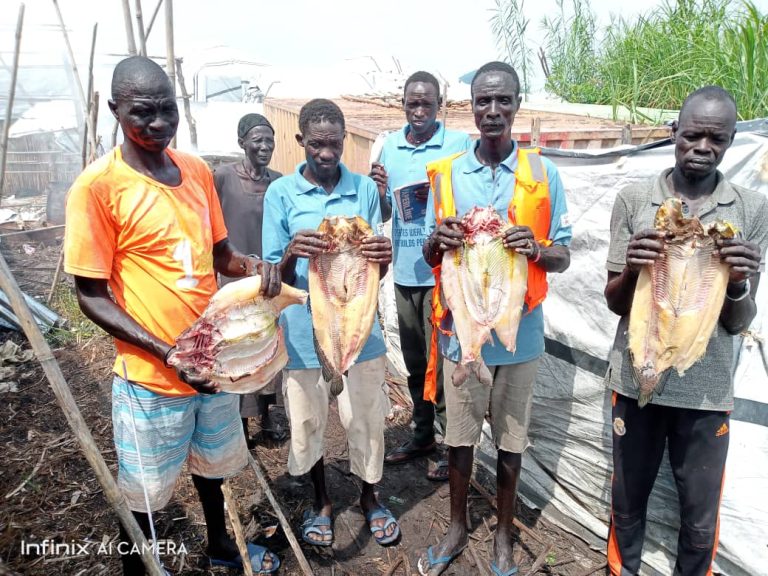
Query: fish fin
[663, 381]
[329, 374]
[643, 398]
[483, 373]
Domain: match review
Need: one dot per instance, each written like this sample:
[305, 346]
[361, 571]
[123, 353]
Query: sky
[449, 37]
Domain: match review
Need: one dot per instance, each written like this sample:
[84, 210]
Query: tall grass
[509, 25]
[658, 59]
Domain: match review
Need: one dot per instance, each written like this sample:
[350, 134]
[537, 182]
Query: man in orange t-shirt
[145, 222]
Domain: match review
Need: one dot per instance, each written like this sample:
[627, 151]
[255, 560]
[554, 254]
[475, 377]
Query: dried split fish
[677, 300]
[343, 292]
[237, 341]
[484, 285]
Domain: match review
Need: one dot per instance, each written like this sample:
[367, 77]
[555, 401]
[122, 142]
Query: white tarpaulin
[567, 472]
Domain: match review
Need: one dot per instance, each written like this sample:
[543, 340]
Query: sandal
[440, 472]
[497, 571]
[378, 514]
[432, 561]
[257, 554]
[409, 451]
[314, 524]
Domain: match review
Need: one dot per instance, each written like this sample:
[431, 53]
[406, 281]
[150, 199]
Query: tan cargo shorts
[508, 400]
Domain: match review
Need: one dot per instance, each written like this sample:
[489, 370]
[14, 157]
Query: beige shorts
[363, 407]
[508, 400]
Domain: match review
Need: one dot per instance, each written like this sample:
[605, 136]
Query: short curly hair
[318, 110]
[496, 66]
[424, 77]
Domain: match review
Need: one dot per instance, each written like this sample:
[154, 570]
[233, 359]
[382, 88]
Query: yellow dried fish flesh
[237, 341]
[343, 294]
[677, 299]
[484, 286]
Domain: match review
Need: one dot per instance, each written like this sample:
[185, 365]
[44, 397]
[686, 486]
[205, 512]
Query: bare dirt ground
[48, 491]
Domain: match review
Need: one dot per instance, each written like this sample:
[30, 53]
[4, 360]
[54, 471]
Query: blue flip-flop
[377, 514]
[498, 572]
[445, 560]
[313, 524]
[257, 554]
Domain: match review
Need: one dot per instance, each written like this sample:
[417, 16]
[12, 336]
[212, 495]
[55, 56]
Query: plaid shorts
[206, 428]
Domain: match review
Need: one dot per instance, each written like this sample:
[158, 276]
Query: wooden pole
[187, 110]
[305, 567]
[128, 20]
[237, 528]
[170, 53]
[152, 20]
[73, 63]
[11, 96]
[74, 417]
[140, 27]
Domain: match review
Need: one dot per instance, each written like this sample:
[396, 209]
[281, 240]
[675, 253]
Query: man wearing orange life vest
[523, 185]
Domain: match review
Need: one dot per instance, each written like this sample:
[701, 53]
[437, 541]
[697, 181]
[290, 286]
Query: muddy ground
[48, 491]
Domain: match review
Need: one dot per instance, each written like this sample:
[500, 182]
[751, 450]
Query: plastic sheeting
[566, 474]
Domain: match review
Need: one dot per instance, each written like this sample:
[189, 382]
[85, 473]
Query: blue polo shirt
[475, 185]
[291, 204]
[406, 164]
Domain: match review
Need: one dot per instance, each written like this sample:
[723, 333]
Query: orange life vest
[530, 206]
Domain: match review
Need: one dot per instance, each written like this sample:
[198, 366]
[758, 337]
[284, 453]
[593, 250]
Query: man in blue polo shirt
[294, 206]
[403, 161]
[495, 172]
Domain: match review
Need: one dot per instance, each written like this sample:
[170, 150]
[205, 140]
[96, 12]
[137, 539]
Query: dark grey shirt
[243, 207]
[708, 384]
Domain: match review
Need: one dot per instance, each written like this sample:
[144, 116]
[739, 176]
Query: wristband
[747, 288]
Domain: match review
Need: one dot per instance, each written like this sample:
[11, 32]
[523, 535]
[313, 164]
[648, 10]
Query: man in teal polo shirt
[294, 206]
[487, 175]
[403, 161]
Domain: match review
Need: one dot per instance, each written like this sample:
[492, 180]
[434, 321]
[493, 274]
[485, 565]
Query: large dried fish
[677, 300]
[484, 285]
[343, 293]
[237, 341]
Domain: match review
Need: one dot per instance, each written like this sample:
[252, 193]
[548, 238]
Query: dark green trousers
[414, 307]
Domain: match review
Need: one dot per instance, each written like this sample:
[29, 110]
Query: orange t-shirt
[154, 244]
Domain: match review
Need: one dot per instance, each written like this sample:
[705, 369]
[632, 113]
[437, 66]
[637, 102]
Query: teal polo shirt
[406, 164]
[475, 184]
[292, 203]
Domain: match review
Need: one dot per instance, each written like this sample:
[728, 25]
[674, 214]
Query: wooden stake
[152, 20]
[535, 131]
[74, 417]
[256, 467]
[237, 528]
[128, 20]
[170, 54]
[187, 110]
[541, 558]
[140, 27]
[11, 95]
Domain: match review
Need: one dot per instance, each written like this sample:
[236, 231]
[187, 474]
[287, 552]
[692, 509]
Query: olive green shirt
[708, 384]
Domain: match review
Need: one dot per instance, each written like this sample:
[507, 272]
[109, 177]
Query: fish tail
[460, 374]
[644, 398]
[483, 373]
[337, 384]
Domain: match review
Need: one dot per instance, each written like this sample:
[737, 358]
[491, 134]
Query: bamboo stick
[170, 53]
[305, 567]
[74, 417]
[187, 110]
[73, 63]
[11, 96]
[237, 528]
[128, 20]
[152, 20]
[140, 28]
